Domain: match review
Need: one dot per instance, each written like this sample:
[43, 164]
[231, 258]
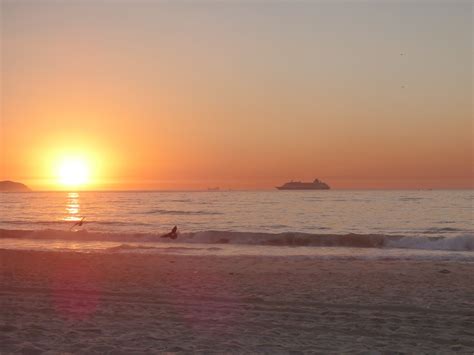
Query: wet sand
[129, 303]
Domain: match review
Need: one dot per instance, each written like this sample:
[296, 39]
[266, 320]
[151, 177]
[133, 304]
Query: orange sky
[161, 95]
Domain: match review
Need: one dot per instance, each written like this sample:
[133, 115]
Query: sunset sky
[238, 94]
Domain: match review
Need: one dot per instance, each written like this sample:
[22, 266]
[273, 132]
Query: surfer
[172, 235]
[78, 223]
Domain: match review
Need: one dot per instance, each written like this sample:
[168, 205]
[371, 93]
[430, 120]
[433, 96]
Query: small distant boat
[213, 189]
[298, 185]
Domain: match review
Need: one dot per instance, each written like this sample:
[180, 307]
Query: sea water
[238, 221]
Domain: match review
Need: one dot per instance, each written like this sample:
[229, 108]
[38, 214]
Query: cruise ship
[298, 185]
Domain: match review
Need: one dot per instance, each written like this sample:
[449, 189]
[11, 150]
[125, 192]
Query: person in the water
[78, 223]
[172, 235]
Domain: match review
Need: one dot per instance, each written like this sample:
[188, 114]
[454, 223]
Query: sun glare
[73, 172]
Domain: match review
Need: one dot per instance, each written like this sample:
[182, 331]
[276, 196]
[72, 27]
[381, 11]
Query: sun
[73, 172]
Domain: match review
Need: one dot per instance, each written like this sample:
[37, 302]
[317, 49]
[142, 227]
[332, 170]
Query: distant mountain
[11, 186]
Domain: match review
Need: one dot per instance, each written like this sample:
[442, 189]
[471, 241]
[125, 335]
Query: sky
[238, 94]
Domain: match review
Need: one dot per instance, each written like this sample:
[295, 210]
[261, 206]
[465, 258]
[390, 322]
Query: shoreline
[125, 303]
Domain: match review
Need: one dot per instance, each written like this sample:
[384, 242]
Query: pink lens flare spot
[75, 290]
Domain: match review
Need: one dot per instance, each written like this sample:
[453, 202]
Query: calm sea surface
[407, 213]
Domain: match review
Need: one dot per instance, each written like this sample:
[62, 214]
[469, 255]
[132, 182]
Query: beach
[236, 177]
[71, 302]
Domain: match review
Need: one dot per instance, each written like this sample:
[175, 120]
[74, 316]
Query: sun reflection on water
[73, 208]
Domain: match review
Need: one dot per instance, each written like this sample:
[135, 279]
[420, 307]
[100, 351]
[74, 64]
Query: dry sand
[128, 303]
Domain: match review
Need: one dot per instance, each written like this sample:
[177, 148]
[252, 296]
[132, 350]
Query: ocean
[369, 223]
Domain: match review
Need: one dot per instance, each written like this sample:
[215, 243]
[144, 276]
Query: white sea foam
[464, 242]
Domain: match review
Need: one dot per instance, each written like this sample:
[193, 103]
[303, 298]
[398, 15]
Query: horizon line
[244, 190]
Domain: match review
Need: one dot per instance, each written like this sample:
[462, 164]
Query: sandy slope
[125, 303]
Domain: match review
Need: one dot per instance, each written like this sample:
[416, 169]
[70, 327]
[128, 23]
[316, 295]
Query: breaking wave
[127, 247]
[458, 243]
[461, 242]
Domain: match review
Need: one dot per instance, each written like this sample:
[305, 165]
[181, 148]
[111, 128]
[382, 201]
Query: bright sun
[73, 172]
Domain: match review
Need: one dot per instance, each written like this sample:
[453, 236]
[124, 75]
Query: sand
[127, 303]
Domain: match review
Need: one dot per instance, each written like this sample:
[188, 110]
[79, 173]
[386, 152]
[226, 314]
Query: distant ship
[298, 185]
